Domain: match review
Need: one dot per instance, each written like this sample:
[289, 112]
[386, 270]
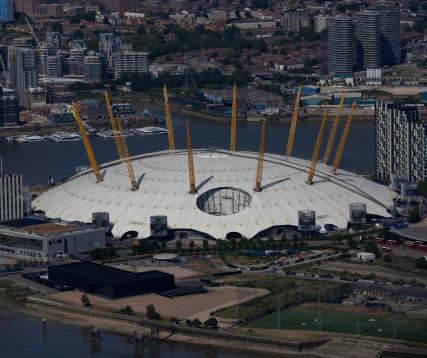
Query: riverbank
[126, 329]
[339, 345]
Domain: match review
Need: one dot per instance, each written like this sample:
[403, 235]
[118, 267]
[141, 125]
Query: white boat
[151, 130]
[29, 138]
[11, 139]
[64, 137]
[105, 134]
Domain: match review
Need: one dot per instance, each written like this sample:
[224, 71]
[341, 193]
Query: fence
[239, 339]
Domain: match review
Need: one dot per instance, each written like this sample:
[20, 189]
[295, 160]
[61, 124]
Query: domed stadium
[222, 203]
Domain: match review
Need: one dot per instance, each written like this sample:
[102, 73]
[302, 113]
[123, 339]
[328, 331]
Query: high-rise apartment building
[7, 10]
[340, 46]
[92, 67]
[368, 40]
[390, 36]
[130, 62]
[53, 42]
[109, 45]
[320, 23]
[400, 141]
[11, 197]
[24, 70]
[9, 109]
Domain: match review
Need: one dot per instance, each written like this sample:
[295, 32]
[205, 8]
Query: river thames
[37, 161]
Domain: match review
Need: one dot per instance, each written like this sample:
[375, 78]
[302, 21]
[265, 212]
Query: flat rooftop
[107, 274]
[41, 226]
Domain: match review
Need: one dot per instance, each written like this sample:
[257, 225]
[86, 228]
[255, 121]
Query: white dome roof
[164, 187]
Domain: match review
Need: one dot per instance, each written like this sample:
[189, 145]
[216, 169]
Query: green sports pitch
[378, 324]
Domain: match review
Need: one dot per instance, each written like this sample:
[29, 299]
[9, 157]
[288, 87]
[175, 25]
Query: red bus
[410, 244]
[422, 247]
[386, 249]
[392, 242]
[380, 240]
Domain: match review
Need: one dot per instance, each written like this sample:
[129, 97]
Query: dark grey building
[340, 46]
[368, 40]
[9, 109]
[93, 67]
[24, 70]
[109, 281]
[390, 36]
[11, 197]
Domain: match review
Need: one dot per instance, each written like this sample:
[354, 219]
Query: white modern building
[11, 197]
[400, 141]
[225, 203]
[130, 62]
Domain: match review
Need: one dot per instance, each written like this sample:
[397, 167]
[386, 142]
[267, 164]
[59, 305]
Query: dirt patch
[200, 305]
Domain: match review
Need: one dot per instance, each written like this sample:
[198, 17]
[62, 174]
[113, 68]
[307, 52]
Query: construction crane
[191, 175]
[260, 165]
[233, 123]
[333, 132]
[33, 32]
[343, 140]
[88, 147]
[121, 145]
[317, 150]
[169, 127]
[293, 123]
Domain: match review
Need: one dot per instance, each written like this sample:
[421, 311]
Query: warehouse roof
[107, 274]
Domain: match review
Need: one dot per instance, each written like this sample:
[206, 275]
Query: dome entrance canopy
[223, 201]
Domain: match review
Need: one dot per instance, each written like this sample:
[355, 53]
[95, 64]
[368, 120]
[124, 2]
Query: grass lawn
[380, 325]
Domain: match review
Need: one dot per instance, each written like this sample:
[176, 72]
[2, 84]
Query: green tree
[127, 310]
[178, 245]
[85, 300]
[152, 313]
[106, 21]
[78, 35]
[196, 322]
[163, 246]
[205, 245]
[192, 245]
[352, 244]
[414, 214]
[387, 258]
[57, 27]
[371, 246]
[211, 323]
[422, 187]
[421, 263]
[242, 76]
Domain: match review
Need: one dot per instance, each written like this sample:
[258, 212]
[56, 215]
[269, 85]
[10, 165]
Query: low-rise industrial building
[30, 238]
[365, 256]
[110, 281]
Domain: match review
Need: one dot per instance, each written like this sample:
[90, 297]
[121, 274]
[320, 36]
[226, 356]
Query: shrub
[387, 258]
[152, 313]
[127, 310]
[196, 322]
[86, 302]
[211, 323]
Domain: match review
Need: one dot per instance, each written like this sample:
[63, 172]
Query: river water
[23, 336]
[37, 161]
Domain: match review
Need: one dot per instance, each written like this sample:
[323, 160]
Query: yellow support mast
[317, 150]
[169, 127]
[88, 147]
[233, 123]
[333, 132]
[121, 145]
[293, 123]
[343, 140]
[191, 175]
[261, 153]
